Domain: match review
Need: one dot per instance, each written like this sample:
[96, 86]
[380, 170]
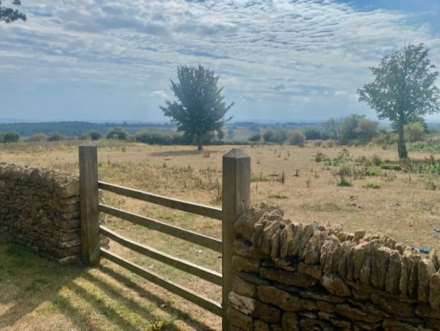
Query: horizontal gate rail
[206, 274]
[190, 207]
[212, 306]
[196, 238]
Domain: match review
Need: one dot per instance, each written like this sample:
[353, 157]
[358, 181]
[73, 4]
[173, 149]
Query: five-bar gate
[236, 198]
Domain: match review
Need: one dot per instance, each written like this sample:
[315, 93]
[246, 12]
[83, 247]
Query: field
[358, 188]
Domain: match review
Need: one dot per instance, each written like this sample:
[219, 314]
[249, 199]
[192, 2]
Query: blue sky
[279, 60]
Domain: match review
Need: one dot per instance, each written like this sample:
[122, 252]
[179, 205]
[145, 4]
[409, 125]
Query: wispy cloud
[281, 51]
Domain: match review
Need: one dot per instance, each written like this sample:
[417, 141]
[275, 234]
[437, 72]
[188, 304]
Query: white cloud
[263, 50]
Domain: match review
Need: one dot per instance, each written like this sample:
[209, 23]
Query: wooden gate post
[236, 199]
[88, 181]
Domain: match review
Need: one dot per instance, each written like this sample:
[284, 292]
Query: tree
[199, 109]
[95, 135]
[117, 133]
[414, 131]
[268, 136]
[297, 138]
[38, 137]
[10, 14]
[358, 129]
[11, 137]
[255, 138]
[403, 89]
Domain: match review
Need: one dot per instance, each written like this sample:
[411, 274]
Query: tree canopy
[199, 109]
[10, 14]
[403, 89]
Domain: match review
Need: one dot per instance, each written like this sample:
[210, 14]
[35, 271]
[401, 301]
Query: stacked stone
[40, 209]
[291, 276]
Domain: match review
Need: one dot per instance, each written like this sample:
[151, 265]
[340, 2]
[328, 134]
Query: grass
[299, 180]
[43, 295]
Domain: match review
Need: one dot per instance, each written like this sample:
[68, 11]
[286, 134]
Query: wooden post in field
[88, 180]
[236, 199]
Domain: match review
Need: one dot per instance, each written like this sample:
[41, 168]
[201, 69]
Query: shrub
[160, 139]
[296, 138]
[268, 136]
[55, 137]
[319, 157]
[255, 138]
[313, 134]
[374, 186]
[415, 132]
[38, 137]
[117, 133]
[280, 136]
[344, 182]
[10, 137]
[95, 135]
[357, 129]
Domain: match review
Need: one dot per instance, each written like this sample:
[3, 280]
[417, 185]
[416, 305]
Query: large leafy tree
[10, 14]
[403, 89]
[199, 109]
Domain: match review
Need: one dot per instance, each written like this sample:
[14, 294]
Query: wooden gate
[236, 198]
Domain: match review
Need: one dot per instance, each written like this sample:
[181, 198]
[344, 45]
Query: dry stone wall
[291, 276]
[40, 209]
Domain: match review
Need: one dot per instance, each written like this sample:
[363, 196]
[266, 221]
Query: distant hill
[75, 129]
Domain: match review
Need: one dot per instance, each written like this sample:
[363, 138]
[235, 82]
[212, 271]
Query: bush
[9, 137]
[296, 138]
[313, 134]
[160, 139]
[415, 132]
[357, 129]
[38, 137]
[55, 137]
[95, 135]
[344, 182]
[280, 137]
[255, 138]
[268, 136]
[117, 133]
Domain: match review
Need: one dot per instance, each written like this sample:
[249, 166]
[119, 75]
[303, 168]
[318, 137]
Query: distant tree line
[351, 130]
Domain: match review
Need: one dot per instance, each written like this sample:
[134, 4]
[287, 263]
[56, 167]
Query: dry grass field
[356, 188]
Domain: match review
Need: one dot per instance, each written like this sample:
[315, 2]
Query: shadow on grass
[88, 298]
[27, 280]
[159, 302]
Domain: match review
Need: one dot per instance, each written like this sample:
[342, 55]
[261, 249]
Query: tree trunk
[199, 143]
[401, 145]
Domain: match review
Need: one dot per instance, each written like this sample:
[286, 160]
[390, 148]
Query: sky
[278, 60]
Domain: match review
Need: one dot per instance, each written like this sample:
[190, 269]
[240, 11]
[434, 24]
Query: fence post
[236, 199]
[88, 181]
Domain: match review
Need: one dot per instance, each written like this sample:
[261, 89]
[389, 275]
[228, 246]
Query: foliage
[160, 139]
[9, 137]
[371, 185]
[315, 134]
[11, 14]
[268, 136]
[278, 136]
[95, 135]
[199, 109]
[415, 131]
[38, 137]
[297, 138]
[356, 128]
[403, 89]
[332, 128]
[117, 134]
[55, 137]
[255, 138]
